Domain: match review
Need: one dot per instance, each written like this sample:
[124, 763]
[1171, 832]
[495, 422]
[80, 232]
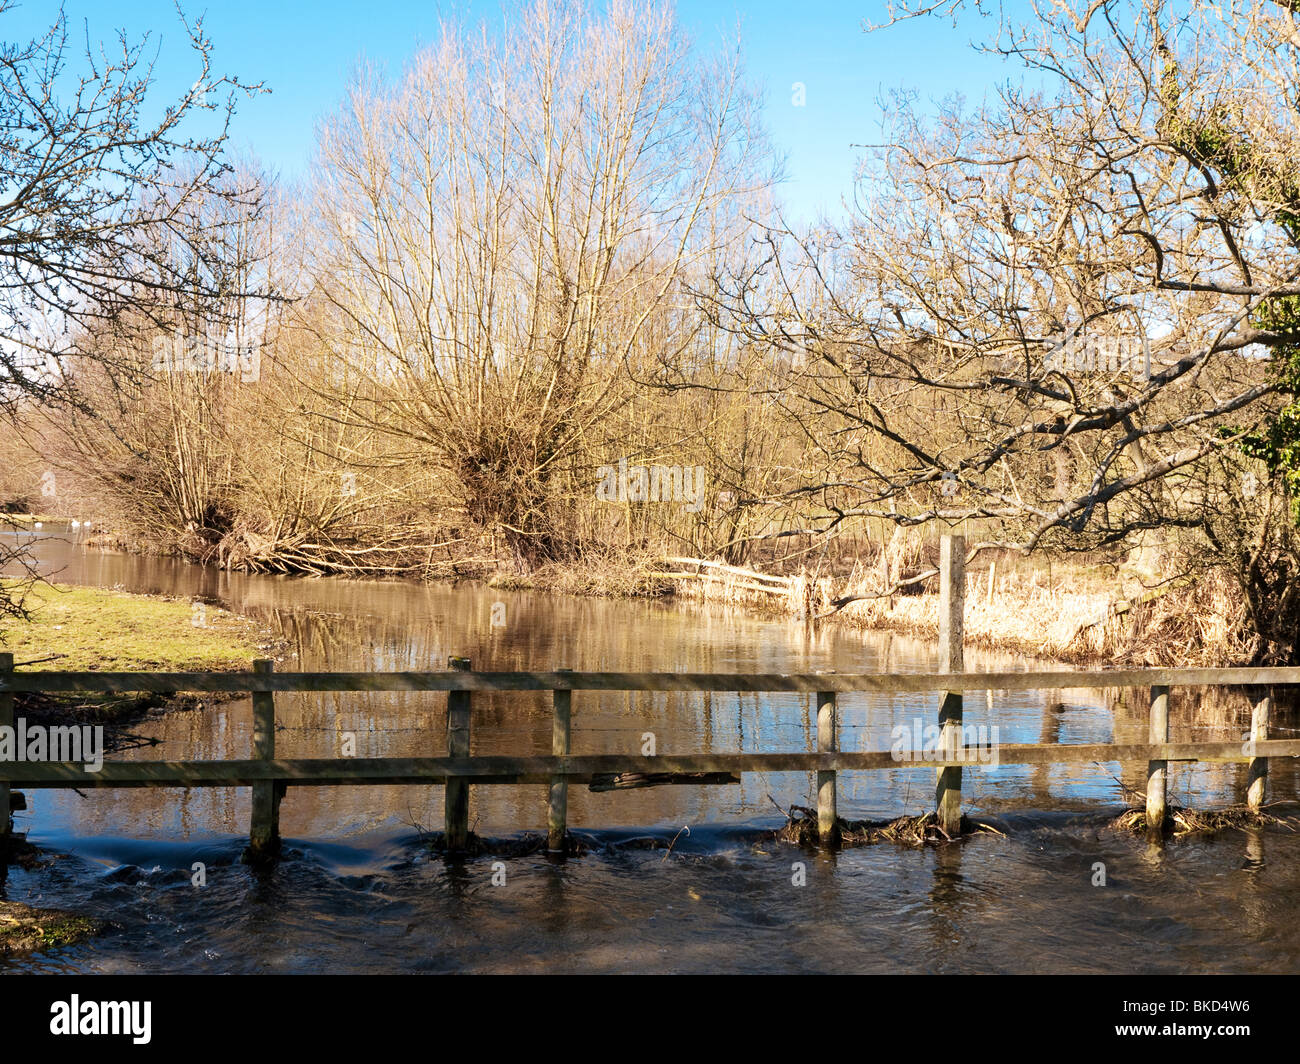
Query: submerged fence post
[264, 833]
[828, 822]
[952, 605]
[456, 802]
[1257, 775]
[1157, 771]
[6, 721]
[557, 811]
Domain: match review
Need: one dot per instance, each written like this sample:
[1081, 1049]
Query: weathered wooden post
[456, 801]
[264, 833]
[7, 721]
[828, 823]
[1157, 771]
[1257, 775]
[557, 811]
[952, 605]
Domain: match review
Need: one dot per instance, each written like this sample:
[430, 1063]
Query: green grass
[113, 631]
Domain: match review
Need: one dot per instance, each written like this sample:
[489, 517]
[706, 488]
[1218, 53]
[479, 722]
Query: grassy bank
[96, 629]
[85, 629]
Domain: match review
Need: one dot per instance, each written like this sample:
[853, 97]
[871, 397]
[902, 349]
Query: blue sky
[306, 53]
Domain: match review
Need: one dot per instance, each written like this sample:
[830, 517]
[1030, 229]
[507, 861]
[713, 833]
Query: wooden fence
[269, 776]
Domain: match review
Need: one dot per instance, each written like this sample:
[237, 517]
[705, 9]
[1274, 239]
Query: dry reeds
[1180, 820]
[599, 573]
[1066, 609]
[1201, 624]
[1071, 615]
[801, 829]
[1017, 612]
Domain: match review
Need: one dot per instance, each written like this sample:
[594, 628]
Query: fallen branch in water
[625, 781]
[735, 570]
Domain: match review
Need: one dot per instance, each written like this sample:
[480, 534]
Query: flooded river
[358, 891]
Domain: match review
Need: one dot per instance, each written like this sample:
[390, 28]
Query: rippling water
[357, 890]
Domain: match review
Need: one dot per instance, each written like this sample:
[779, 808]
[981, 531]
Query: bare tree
[508, 228]
[95, 199]
[166, 406]
[1049, 310]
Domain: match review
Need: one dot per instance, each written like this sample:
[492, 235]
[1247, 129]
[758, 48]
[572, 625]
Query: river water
[359, 891]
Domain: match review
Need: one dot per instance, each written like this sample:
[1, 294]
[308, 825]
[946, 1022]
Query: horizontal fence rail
[339, 772]
[885, 683]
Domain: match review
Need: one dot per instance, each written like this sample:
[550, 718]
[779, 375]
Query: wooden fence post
[456, 802]
[828, 823]
[952, 605]
[6, 720]
[557, 811]
[1257, 776]
[1157, 771]
[264, 833]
